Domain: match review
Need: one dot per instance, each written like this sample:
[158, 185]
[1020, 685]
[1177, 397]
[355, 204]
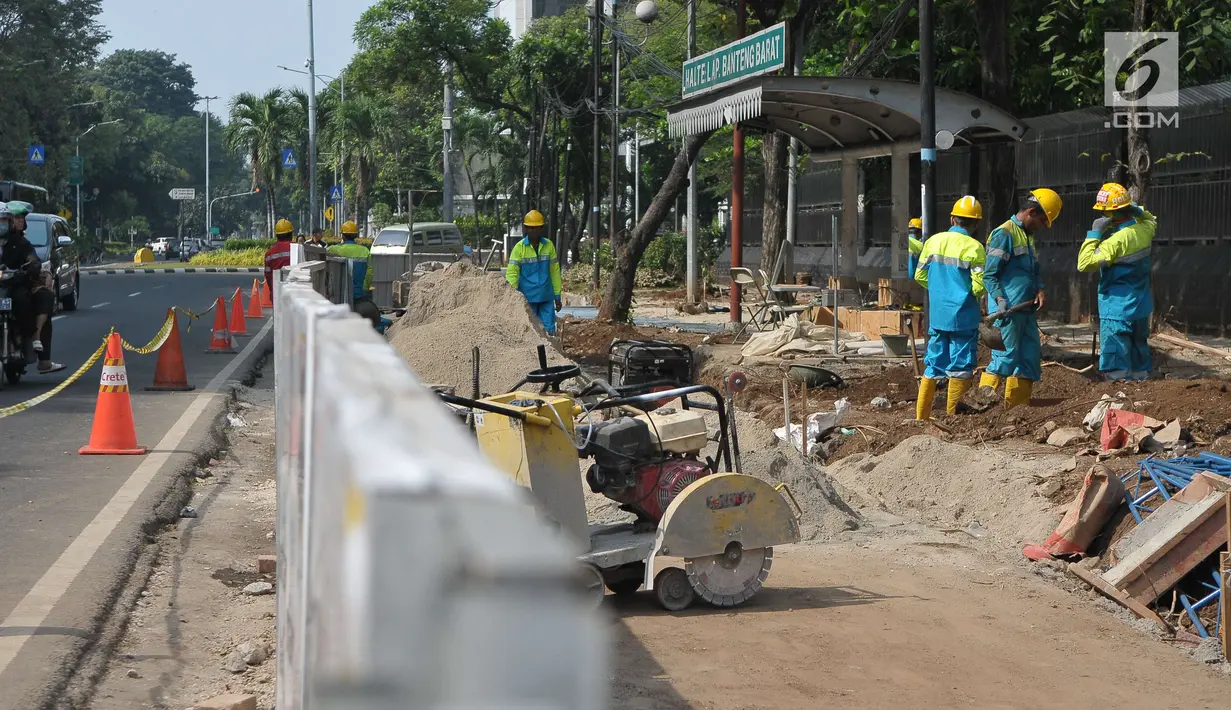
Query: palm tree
[355, 130]
[260, 127]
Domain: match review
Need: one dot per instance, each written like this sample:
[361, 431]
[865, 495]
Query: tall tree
[260, 127]
[149, 80]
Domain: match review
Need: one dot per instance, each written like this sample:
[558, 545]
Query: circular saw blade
[732, 577]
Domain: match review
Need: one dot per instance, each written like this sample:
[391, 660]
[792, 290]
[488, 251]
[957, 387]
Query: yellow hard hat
[968, 206]
[1111, 197]
[283, 227]
[1049, 201]
[534, 218]
[915, 223]
[350, 228]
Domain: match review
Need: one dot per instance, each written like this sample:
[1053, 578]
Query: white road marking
[134, 294]
[100, 305]
[34, 607]
[56, 318]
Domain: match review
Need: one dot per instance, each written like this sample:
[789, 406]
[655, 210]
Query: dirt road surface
[885, 622]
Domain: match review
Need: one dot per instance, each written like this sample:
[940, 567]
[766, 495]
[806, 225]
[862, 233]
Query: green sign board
[215, 231]
[76, 170]
[753, 55]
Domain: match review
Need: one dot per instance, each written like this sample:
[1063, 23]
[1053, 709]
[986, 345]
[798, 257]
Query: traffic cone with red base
[113, 432]
[267, 298]
[254, 302]
[239, 325]
[169, 373]
[220, 340]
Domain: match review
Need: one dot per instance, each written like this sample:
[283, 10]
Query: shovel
[989, 334]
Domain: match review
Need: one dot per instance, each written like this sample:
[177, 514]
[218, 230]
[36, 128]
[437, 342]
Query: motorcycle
[15, 353]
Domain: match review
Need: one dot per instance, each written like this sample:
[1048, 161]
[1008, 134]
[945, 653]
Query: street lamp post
[83, 135]
[312, 116]
[208, 225]
[339, 177]
[209, 208]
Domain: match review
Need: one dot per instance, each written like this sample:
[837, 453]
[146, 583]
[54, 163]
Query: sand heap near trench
[454, 309]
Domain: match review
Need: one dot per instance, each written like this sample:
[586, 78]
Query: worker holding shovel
[534, 269]
[1015, 290]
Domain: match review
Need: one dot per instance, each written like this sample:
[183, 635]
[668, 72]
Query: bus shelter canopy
[843, 116]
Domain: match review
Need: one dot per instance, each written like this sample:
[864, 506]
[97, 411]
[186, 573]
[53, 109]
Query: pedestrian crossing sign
[288, 159]
[37, 155]
[335, 194]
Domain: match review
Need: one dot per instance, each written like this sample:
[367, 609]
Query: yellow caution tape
[192, 315]
[159, 338]
[23, 406]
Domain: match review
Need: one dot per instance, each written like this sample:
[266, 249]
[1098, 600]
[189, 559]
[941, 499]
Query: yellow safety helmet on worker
[967, 207]
[283, 227]
[349, 228]
[1112, 197]
[534, 218]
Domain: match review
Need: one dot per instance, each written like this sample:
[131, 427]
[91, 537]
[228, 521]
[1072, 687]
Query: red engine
[656, 485]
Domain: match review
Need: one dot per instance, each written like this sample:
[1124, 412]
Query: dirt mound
[450, 311]
[936, 482]
[589, 340]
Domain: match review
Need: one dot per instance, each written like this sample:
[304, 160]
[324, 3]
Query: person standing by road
[278, 255]
[534, 269]
[1011, 276]
[1118, 245]
[951, 269]
[359, 255]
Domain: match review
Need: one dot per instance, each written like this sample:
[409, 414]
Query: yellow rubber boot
[1017, 392]
[927, 395]
[989, 379]
[957, 388]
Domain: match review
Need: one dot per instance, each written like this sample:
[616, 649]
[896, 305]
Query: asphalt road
[49, 493]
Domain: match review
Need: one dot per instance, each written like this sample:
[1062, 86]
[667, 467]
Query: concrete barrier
[410, 573]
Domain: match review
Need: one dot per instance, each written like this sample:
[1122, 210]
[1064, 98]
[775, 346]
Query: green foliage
[252, 256]
[239, 244]
[148, 80]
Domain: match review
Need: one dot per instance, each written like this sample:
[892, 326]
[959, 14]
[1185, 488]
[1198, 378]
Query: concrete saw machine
[647, 446]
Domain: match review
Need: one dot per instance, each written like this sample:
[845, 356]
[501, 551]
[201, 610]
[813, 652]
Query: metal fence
[411, 574]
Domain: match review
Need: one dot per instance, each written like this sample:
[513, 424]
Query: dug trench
[910, 581]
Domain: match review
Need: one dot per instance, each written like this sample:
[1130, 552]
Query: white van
[434, 238]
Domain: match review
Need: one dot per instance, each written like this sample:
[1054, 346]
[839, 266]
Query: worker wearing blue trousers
[1118, 245]
[951, 269]
[1015, 289]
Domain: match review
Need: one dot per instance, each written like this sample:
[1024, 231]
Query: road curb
[187, 270]
[159, 509]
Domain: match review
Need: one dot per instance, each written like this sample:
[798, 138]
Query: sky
[236, 45]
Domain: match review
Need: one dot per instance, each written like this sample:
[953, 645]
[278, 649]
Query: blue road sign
[335, 194]
[37, 155]
[288, 159]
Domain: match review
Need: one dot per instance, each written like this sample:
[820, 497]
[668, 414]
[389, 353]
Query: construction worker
[278, 255]
[951, 269]
[914, 241]
[1011, 276]
[1118, 244]
[358, 254]
[534, 269]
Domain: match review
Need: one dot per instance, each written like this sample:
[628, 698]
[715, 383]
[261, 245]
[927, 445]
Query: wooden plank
[1225, 569]
[1185, 343]
[1118, 596]
[1189, 551]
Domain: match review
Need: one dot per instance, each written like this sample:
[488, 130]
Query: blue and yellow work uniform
[951, 269]
[1124, 299]
[1012, 275]
[359, 255]
[536, 273]
[915, 244]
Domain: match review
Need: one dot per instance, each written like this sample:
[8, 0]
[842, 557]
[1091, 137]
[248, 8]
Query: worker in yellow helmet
[534, 269]
[279, 254]
[951, 269]
[1012, 278]
[1118, 245]
[914, 241]
[359, 255]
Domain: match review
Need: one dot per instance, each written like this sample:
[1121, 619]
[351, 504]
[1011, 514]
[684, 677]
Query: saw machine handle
[524, 417]
[799, 512]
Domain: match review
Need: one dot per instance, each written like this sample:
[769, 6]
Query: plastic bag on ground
[818, 424]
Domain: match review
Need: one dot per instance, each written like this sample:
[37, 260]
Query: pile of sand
[452, 310]
[936, 482]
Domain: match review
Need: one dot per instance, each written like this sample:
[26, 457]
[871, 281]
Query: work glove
[558, 305]
[1099, 227]
[1002, 305]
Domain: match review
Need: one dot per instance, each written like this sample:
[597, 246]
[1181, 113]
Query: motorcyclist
[17, 255]
[42, 295]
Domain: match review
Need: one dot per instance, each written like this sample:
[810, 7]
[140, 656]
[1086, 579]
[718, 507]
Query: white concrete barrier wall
[410, 573]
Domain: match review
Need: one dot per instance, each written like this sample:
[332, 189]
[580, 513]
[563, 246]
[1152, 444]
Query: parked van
[427, 238]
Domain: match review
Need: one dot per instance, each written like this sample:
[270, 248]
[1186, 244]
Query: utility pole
[208, 226]
[568, 155]
[555, 186]
[596, 52]
[737, 186]
[446, 208]
[691, 226]
[312, 116]
[614, 213]
[927, 118]
[341, 217]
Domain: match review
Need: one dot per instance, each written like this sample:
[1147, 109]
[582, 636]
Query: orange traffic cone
[113, 431]
[220, 340]
[169, 373]
[267, 298]
[254, 302]
[239, 325]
